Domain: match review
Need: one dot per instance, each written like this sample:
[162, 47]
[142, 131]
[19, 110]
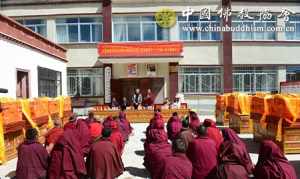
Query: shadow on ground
[140, 152]
[137, 172]
[11, 175]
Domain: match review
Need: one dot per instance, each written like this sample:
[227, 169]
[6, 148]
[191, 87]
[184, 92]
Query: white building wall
[15, 56]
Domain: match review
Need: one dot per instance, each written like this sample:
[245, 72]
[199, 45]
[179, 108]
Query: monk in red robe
[230, 135]
[231, 162]
[91, 118]
[95, 128]
[186, 134]
[194, 121]
[213, 132]
[32, 158]
[174, 126]
[203, 154]
[125, 127]
[272, 164]
[157, 149]
[67, 157]
[177, 166]
[107, 121]
[116, 137]
[53, 135]
[104, 161]
[82, 129]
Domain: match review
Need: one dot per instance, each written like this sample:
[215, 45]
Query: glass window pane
[183, 34]
[148, 31]
[162, 33]
[205, 35]
[120, 32]
[148, 19]
[85, 35]
[134, 32]
[42, 30]
[97, 33]
[33, 21]
[73, 33]
[62, 34]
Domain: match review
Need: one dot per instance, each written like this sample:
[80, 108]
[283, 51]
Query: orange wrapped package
[53, 106]
[239, 103]
[39, 110]
[11, 111]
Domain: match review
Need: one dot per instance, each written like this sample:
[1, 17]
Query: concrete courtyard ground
[133, 156]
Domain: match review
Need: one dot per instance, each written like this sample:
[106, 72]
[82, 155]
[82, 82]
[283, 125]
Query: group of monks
[201, 150]
[81, 149]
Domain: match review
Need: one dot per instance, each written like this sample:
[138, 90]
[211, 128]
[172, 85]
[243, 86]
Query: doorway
[125, 88]
[22, 84]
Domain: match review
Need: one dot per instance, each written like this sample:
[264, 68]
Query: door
[22, 84]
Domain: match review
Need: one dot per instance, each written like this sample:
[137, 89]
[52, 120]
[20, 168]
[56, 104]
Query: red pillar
[173, 80]
[107, 37]
[227, 52]
[107, 18]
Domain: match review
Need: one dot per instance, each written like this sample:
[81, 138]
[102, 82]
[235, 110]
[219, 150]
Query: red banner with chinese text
[140, 49]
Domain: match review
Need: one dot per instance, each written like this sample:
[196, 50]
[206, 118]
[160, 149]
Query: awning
[141, 60]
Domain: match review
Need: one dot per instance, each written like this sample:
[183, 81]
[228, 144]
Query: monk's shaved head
[31, 134]
[201, 130]
[179, 146]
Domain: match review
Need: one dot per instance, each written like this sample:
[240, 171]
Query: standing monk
[116, 137]
[32, 158]
[178, 165]
[125, 127]
[104, 161]
[67, 157]
[53, 135]
[203, 154]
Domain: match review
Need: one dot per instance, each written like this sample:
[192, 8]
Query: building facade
[31, 66]
[210, 62]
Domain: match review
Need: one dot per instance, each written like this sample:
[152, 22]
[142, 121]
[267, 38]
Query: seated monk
[174, 126]
[32, 158]
[53, 135]
[157, 124]
[203, 154]
[177, 166]
[186, 134]
[116, 137]
[90, 118]
[231, 162]
[95, 128]
[230, 135]
[213, 132]
[104, 161]
[194, 121]
[156, 151]
[107, 121]
[272, 164]
[67, 157]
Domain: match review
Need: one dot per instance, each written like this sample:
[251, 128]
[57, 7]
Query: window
[37, 25]
[137, 28]
[293, 73]
[190, 30]
[294, 22]
[253, 79]
[193, 80]
[82, 30]
[254, 29]
[49, 82]
[85, 82]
